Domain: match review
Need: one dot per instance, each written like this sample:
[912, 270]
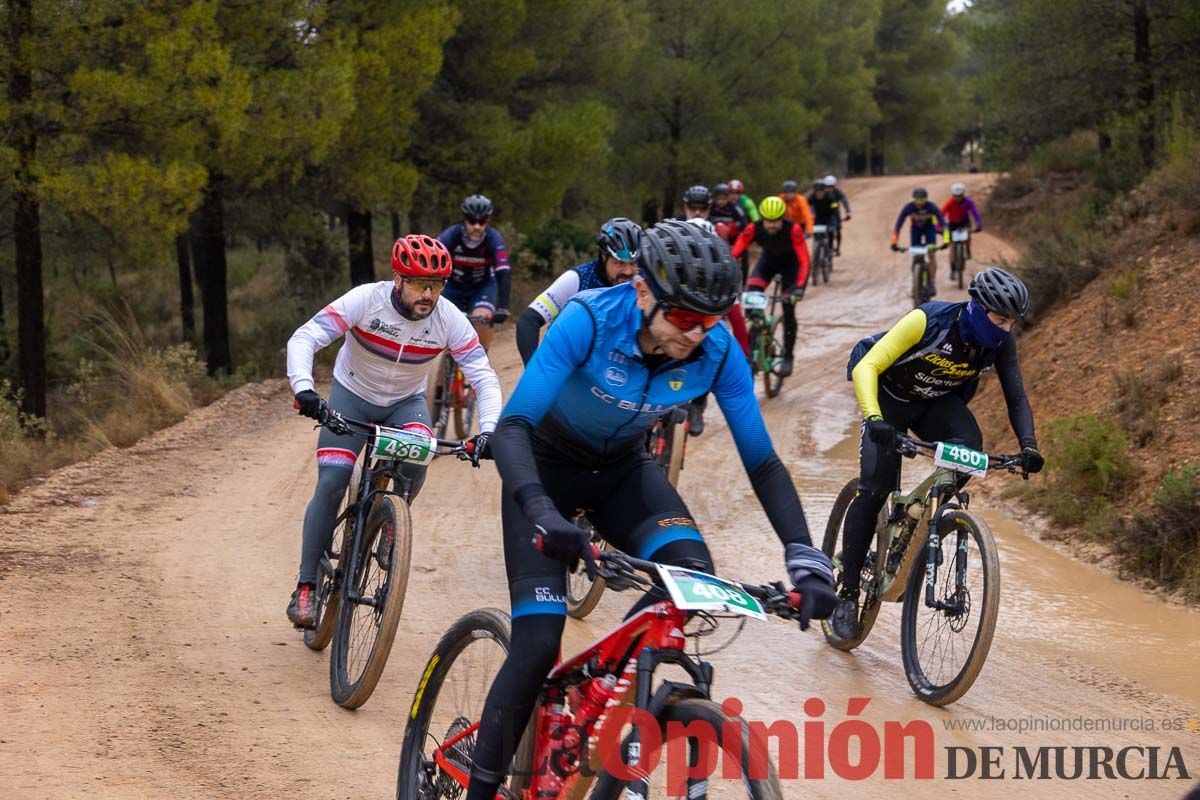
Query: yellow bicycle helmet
[772, 207]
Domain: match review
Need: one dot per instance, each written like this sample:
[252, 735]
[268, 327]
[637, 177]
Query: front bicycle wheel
[366, 624]
[945, 648]
[738, 758]
[464, 411]
[449, 700]
[918, 282]
[832, 546]
[827, 264]
[960, 262]
[583, 593]
[329, 579]
[818, 257]
[773, 347]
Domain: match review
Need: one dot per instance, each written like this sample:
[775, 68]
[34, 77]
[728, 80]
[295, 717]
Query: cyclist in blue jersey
[572, 437]
[480, 281]
[619, 243]
[925, 226]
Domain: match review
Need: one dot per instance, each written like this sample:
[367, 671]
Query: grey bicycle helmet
[697, 196]
[477, 206]
[789, 186]
[920, 194]
[620, 238]
[689, 267]
[1000, 291]
[721, 188]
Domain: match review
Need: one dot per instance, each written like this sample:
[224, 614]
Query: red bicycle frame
[590, 683]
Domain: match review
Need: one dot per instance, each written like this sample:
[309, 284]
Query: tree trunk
[187, 302]
[856, 163]
[875, 150]
[27, 233]
[395, 225]
[1143, 72]
[362, 258]
[208, 251]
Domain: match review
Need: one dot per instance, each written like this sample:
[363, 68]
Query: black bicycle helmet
[689, 267]
[819, 186]
[721, 188]
[697, 196]
[920, 194]
[620, 238]
[1000, 291]
[477, 207]
[789, 186]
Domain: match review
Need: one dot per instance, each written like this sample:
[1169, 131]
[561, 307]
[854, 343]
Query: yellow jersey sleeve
[903, 336]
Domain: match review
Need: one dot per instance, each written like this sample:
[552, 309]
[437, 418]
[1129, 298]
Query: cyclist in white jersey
[394, 332]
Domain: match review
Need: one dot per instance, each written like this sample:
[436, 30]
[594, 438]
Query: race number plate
[699, 591]
[918, 250]
[961, 459]
[960, 235]
[400, 445]
[754, 301]
[820, 228]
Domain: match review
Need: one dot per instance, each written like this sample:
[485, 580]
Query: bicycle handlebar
[343, 426]
[909, 446]
[774, 598]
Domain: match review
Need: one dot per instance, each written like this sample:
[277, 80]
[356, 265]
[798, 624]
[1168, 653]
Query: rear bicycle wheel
[832, 546]
[773, 347]
[676, 436]
[439, 413]
[944, 649]
[448, 700]
[737, 759]
[329, 577]
[583, 593]
[365, 629]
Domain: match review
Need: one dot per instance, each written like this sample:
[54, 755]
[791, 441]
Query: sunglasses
[435, 285]
[477, 221]
[687, 320]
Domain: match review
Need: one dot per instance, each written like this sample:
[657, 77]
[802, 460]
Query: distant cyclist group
[650, 324]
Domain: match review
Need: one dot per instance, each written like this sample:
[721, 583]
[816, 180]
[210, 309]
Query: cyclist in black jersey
[919, 376]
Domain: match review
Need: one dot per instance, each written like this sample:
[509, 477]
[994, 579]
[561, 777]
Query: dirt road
[144, 651]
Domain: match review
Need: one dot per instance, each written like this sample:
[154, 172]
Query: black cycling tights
[536, 640]
[945, 419]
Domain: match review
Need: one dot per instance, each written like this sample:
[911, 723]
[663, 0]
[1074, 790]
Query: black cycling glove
[881, 432]
[559, 538]
[310, 403]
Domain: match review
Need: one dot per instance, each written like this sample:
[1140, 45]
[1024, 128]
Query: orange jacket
[799, 212]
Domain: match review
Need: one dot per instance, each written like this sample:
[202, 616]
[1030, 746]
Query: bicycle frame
[374, 481]
[559, 767]
[931, 493]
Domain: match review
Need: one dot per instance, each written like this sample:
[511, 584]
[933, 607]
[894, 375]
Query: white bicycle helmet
[830, 180]
[958, 189]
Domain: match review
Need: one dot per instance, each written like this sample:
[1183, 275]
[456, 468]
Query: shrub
[1087, 467]
[1164, 542]
[1138, 395]
[555, 246]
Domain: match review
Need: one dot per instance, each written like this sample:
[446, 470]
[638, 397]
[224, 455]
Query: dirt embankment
[1124, 347]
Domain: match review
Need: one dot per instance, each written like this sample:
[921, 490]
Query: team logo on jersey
[614, 355]
[948, 347]
[615, 376]
[379, 326]
[675, 379]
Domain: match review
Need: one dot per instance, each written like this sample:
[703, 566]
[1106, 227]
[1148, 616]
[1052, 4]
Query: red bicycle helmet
[420, 256]
[736, 186]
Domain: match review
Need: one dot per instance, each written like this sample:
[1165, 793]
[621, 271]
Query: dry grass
[126, 390]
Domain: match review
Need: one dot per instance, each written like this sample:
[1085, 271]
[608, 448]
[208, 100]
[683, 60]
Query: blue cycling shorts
[482, 296]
